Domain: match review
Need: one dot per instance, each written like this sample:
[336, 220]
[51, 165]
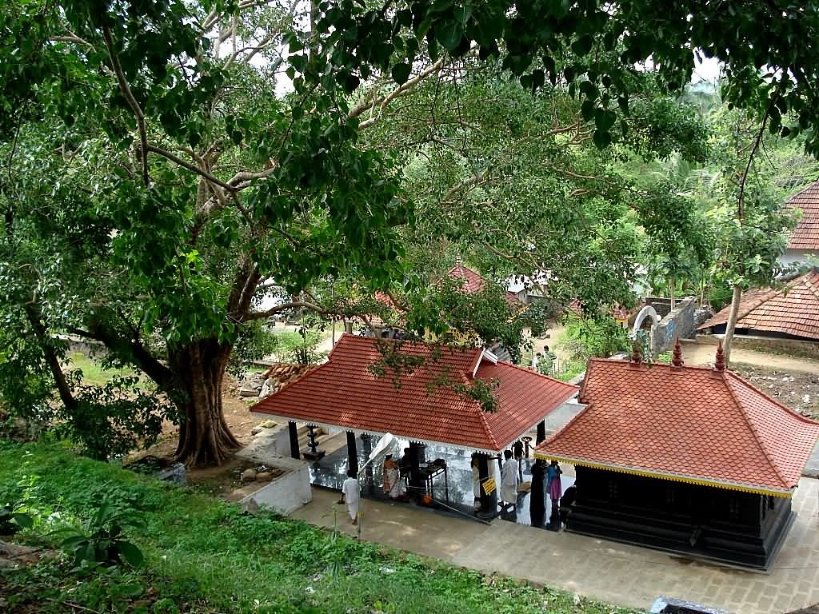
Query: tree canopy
[162, 160]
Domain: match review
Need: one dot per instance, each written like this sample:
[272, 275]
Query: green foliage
[153, 178]
[587, 337]
[101, 541]
[13, 520]
[189, 541]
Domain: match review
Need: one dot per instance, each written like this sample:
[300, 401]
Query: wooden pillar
[541, 432]
[489, 500]
[294, 439]
[352, 452]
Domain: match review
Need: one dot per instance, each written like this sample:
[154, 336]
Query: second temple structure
[693, 460]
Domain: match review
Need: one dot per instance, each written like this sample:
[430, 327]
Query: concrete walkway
[608, 571]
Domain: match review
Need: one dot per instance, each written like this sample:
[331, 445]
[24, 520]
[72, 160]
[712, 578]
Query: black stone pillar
[416, 481]
[314, 453]
[294, 439]
[537, 497]
[352, 451]
[541, 432]
[489, 500]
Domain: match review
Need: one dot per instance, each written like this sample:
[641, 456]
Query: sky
[707, 70]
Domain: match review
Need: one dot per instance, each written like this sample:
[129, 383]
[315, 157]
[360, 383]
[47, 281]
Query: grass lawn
[92, 372]
[204, 555]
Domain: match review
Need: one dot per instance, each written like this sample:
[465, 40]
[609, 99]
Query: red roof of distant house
[806, 234]
[344, 393]
[473, 282]
[689, 424]
[794, 310]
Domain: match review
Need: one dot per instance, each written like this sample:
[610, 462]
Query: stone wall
[286, 493]
[289, 491]
[678, 323]
[661, 304]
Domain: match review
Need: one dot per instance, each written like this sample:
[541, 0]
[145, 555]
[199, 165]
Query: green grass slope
[204, 555]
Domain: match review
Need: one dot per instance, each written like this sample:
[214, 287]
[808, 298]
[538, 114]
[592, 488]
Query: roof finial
[677, 357]
[459, 261]
[636, 354]
[719, 365]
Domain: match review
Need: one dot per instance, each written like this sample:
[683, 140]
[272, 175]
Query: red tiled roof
[690, 424]
[473, 282]
[794, 310]
[806, 233]
[343, 393]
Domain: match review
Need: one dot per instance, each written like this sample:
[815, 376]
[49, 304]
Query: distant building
[804, 240]
[791, 312]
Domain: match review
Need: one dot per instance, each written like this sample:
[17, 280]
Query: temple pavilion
[693, 460]
[423, 393]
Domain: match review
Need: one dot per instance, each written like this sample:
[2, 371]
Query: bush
[597, 337]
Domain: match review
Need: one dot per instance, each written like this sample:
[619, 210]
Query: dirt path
[703, 354]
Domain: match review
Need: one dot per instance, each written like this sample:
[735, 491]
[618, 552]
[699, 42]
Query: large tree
[156, 172]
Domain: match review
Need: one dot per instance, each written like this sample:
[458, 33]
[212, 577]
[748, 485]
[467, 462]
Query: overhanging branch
[259, 315]
[382, 102]
[129, 98]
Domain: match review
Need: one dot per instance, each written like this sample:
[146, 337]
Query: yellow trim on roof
[665, 476]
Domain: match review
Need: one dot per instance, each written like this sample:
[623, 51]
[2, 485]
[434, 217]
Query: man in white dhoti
[350, 494]
[509, 479]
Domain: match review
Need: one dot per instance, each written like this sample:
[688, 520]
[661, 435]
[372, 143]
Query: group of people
[512, 476]
[393, 486]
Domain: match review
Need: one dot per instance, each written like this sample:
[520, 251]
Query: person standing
[350, 494]
[555, 490]
[393, 486]
[517, 448]
[509, 479]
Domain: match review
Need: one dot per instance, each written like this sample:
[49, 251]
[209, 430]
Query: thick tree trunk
[204, 436]
[733, 316]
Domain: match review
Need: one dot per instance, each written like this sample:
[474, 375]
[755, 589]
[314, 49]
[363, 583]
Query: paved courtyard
[616, 573]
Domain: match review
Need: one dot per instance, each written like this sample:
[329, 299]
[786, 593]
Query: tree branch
[259, 315]
[744, 179]
[191, 167]
[40, 331]
[71, 38]
[385, 100]
[131, 351]
[129, 98]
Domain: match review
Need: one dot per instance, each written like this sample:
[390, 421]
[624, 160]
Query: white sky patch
[708, 70]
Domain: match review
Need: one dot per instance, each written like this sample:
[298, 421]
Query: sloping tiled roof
[806, 234]
[344, 393]
[794, 310]
[689, 424]
[473, 282]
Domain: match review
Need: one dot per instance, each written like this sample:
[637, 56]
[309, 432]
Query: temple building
[431, 395]
[692, 460]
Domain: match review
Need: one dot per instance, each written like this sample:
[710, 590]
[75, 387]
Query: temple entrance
[445, 484]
